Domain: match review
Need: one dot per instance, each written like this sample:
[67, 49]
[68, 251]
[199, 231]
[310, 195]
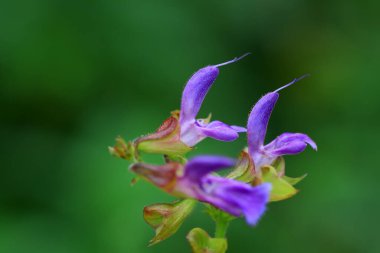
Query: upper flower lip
[197, 87]
[195, 91]
[200, 166]
[285, 144]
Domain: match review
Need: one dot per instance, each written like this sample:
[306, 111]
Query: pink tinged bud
[164, 176]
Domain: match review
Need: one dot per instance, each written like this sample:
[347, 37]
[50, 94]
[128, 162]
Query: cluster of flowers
[257, 177]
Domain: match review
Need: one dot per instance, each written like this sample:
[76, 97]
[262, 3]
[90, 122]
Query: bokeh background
[75, 74]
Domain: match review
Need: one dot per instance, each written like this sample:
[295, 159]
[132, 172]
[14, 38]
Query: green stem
[221, 228]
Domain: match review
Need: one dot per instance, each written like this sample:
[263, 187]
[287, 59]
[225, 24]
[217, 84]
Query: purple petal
[190, 134]
[289, 144]
[239, 129]
[199, 166]
[193, 133]
[236, 198]
[195, 92]
[258, 121]
[219, 131]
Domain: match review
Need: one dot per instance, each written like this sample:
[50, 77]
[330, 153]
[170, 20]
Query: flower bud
[122, 149]
[166, 219]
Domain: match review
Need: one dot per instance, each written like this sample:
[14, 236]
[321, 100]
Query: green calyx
[166, 140]
[244, 170]
[166, 219]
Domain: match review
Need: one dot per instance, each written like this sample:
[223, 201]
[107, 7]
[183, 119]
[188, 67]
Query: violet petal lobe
[289, 144]
[195, 92]
[258, 121]
[236, 198]
[239, 129]
[219, 131]
[199, 166]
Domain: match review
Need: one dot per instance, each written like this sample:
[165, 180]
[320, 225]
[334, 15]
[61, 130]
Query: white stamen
[292, 82]
[232, 61]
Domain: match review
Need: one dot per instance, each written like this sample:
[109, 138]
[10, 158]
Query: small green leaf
[281, 189]
[167, 218]
[201, 242]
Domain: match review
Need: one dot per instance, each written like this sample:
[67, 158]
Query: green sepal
[294, 180]
[166, 219]
[201, 242]
[281, 189]
[279, 165]
[244, 169]
[175, 158]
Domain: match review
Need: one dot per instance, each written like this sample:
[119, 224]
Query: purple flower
[285, 144]
[194, 180]
[193, 130]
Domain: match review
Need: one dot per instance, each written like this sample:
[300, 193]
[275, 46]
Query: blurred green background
[75, 74]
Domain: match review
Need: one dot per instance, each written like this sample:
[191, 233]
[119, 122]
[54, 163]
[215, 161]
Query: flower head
[193, 130]
[182, 131]
[194, 180]
[285, 144]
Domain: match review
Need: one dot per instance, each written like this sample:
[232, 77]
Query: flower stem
[221, 228]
